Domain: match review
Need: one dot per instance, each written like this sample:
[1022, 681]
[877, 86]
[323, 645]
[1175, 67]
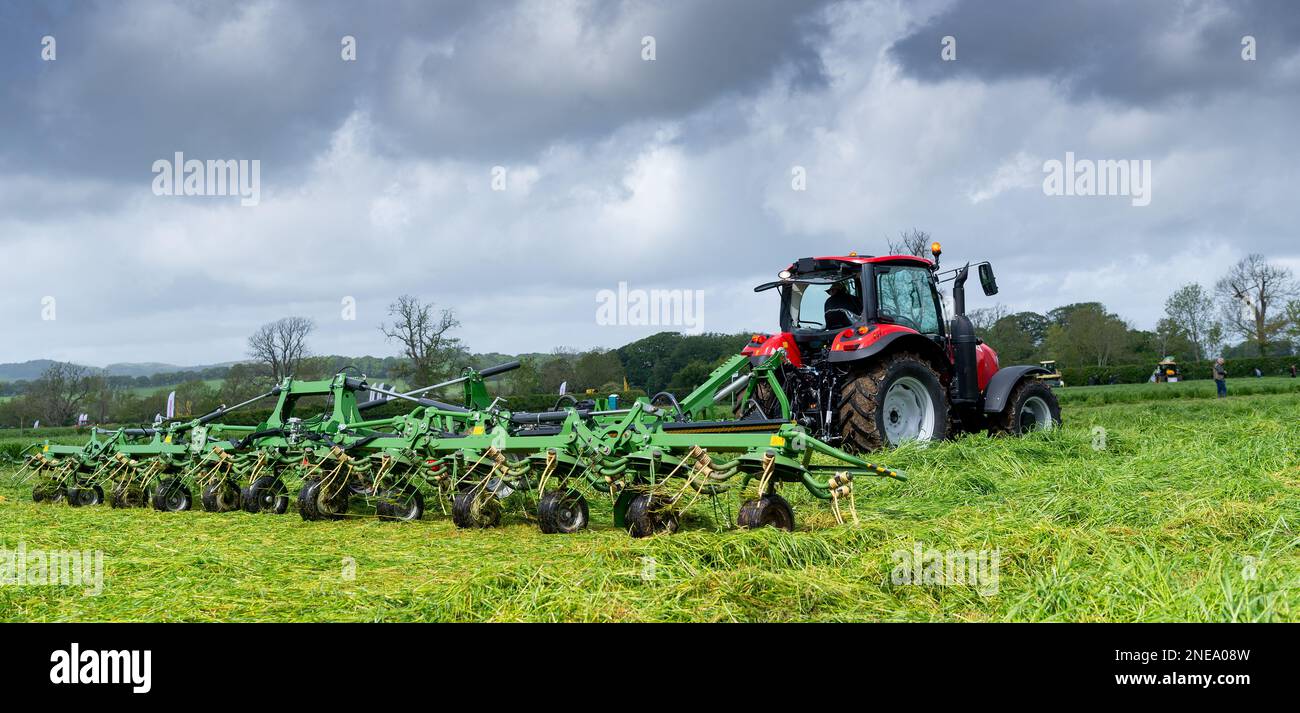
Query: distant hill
[32, 370]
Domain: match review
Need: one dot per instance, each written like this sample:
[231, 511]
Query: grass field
[1169, 508]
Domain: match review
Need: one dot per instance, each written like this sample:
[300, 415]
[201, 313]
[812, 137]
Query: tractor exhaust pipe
[963, 343]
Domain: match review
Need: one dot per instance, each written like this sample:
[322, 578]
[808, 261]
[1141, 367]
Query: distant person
[1258, 374]
[1293, 371]
[1220, 377]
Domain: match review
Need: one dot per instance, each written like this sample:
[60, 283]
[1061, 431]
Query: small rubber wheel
[49, 493]
[768, 511]
[266, 494]
[221, 497]
[648, 515]
[172, 495]
[400, 505]
[562, 511]
[475, 510]
[128, 496]
[81, 497]
[314, 503]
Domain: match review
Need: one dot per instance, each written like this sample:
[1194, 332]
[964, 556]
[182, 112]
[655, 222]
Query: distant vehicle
[1166, 371]
[1053, 377]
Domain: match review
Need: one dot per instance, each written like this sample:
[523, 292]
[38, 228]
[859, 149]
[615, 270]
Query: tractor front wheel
[897, 399]
[1032, 406]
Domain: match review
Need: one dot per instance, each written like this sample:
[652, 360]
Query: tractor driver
[842, 308]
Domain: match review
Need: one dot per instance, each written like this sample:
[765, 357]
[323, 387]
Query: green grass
[1165, 522]
[1199, 389]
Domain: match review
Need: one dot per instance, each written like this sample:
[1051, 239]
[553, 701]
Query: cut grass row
[1169, 510]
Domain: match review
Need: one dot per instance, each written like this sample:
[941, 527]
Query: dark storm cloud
[1139, 53]
[135, 82]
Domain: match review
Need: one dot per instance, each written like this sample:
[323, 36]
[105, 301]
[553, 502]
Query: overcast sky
[376, 175]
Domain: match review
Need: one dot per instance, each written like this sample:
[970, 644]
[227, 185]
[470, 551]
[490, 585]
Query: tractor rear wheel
[896, 399]
[1032, 406]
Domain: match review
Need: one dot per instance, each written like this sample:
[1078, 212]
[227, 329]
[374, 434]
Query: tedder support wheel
[79, 497]
[315, 503]
[896, 399]
[407, 504]
[474, 508]
[266, 494]
[128, 496]
[1032, 406]
[172, 495]
[562, 511]
[51, 493]
[649, 515]
[221, 497]
[768, 511]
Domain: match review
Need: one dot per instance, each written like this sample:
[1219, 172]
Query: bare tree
[1253, 295]
[1190, 311]
[985, 317]
[281, 344]
[61, 390]
[911, 242]
[423, 334]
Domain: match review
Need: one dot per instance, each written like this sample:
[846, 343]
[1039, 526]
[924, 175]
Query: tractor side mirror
[987, 280]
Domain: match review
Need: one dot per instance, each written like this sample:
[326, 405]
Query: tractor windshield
[825, 305]
[906, 297]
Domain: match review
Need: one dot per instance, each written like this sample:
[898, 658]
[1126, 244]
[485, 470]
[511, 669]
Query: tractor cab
[871, 360]
[837, 304]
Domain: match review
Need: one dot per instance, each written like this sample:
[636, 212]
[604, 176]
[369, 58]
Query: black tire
[648, 515]
[469, 511]
[562, 511]
[315, 503]
[128, 496]
[82, 497]
[763, 403]
[172, 495]
[222, 496]
[402, 505]
[768, 511]
[863, 421]
[1031, 406]
[49, 493]
[267, 494]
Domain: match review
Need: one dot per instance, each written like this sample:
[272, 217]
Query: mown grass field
[1154, 509]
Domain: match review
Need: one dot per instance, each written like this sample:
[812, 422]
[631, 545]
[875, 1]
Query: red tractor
[870, 360]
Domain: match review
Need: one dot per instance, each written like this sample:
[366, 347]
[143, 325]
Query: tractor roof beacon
[870, 360]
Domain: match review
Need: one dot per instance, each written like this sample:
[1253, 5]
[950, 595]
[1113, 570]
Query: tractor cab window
[905, 297]
[825, 305]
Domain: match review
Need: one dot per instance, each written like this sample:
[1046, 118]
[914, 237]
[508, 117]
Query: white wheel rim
[908, 411]
[1035, 415]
